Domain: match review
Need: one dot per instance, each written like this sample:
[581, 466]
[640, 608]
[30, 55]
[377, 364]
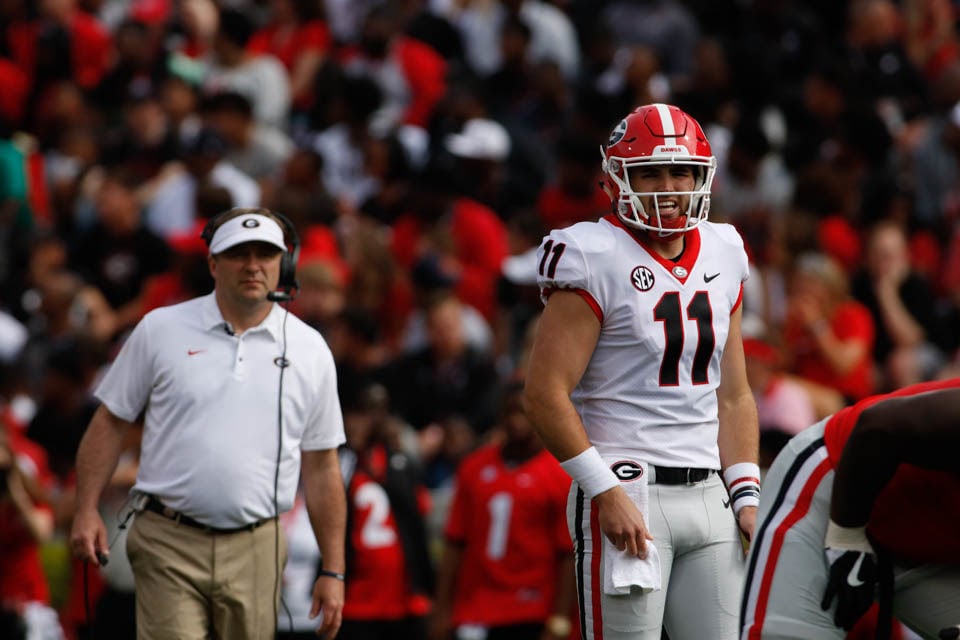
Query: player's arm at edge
[567, 335]
[922, 430]
[739, 433]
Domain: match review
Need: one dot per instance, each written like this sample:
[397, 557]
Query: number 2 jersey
[650, 386]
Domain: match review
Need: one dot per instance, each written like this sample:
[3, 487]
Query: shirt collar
[213, 319]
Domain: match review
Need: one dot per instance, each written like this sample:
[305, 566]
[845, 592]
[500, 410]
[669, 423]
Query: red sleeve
[314, 36]
[260, 41]
[425, 72]
[853, 321]
[583, 293]
[16, 88]
[480, 236]
[739, 300]
[404, 240]
[456, 527]
[90, 47]
[424, 502]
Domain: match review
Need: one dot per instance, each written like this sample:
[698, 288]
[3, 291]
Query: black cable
[86, 600]
[102, 559]
[276, 483]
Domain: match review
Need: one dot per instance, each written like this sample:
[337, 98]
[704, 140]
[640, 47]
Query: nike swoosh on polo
[852, 578]
[707, 278]
[193, 352]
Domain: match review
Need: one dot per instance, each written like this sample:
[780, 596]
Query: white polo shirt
[210, 406]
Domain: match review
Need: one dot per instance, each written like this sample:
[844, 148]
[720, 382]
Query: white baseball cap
[249, 227]
[481, 139]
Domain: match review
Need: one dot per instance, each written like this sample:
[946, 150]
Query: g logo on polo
[281, 362]
[627, 470]
[251, 223]
[642, 278]
[618, 132]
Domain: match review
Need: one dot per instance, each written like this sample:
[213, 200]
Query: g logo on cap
[251, 223]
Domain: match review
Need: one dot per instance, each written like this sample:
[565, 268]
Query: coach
[234, 393]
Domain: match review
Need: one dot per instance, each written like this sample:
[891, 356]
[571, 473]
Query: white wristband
[589, 470]
[743, 485]
[847, 538]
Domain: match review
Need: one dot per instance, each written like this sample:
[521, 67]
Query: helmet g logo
[618, 132]
[627, 470]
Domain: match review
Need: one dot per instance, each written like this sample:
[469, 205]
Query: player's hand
[853, 573]
[621, 522]
[328, 604]
[747, 520]
[852, 581]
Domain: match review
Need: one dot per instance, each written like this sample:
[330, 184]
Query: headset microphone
[279, 296]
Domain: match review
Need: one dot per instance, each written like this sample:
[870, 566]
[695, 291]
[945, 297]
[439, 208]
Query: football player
[862, 502]
[637, 385]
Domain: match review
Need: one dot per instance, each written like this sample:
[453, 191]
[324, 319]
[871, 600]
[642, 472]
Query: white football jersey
[650, 386]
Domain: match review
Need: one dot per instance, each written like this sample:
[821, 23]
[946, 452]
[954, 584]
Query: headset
[288, 286]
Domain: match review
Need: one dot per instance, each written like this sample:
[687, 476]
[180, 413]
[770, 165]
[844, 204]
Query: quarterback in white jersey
[637, 385]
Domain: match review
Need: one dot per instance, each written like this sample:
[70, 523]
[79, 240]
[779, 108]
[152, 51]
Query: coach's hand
[853, 574]
[621, 522]
[327, 603]
[88, 537]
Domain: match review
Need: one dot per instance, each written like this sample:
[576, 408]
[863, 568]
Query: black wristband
[332, 574]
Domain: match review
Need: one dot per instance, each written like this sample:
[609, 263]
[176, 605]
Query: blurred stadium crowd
[422, 148]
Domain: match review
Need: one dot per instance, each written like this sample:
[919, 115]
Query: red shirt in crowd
[89, 47]
[21, 573]
[288, 44]
[850, 321]
[558, 209]
[480, 244]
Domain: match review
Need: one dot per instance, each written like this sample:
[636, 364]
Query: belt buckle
[689, 471]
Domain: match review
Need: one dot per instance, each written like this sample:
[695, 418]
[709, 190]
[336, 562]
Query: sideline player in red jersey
[507, 568]
[637, 384]
[879, 478]
[389, 573]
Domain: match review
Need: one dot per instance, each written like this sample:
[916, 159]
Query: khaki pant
[194, 585]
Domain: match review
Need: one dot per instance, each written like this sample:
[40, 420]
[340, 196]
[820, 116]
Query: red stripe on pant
[800, 509]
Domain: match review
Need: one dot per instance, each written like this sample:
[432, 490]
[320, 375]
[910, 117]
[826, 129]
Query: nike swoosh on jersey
[193, 352]
[852, 578]
[707, 278]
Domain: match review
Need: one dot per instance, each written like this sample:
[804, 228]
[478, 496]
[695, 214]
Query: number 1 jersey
[511, 521]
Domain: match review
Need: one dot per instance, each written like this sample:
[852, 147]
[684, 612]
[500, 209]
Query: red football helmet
[657, 134]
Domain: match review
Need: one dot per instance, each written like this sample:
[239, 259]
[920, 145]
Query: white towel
[621, 571]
